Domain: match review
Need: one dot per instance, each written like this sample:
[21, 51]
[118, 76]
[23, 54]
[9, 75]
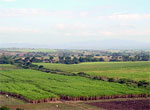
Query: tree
[33, 59]
[101, 59]
[4, 108]
[75, 60]
[41, 67]
[61, 59]
[145, 57]
[19, 109]
[4, 59]
[68, 60]
[51, 58]
[125, 58]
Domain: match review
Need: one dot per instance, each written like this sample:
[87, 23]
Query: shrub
[122, 81]
[74, 74]
[4, 108]
[81, 74]
[111, 79]
[19, 109]
[142, 83]
[95, 78]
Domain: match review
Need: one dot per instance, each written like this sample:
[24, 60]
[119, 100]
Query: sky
[75, 24]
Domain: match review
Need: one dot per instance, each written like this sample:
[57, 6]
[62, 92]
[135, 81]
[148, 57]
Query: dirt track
[124, 105]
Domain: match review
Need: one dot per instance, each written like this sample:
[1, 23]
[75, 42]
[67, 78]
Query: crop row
[40, 85]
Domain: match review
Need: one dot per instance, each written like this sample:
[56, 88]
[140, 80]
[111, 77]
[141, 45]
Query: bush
[111, 79]
[142, 83]
[95, 78]
[100, 78]
[81, 74]
[19, 109]
[74, 74]
[122, 81]
[4, 108]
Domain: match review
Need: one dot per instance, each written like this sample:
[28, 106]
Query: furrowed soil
[123, 105]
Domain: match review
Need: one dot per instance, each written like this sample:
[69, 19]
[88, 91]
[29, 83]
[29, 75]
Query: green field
[9, 101]
[131, 70]
[39, 85]
[7, 67]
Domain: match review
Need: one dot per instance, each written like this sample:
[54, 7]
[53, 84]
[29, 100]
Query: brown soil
[124, 105]
[68, 98]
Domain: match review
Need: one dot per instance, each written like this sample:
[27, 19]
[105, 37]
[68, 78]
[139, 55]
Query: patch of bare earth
[123, 105]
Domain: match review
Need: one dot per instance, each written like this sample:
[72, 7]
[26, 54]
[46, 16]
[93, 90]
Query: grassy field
[39, 85]
[10, 101]
[131, 70]
[7, 67]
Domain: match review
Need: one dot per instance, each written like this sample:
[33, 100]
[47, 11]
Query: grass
[39, 85]
[9, 101]
[52, 106]
[66, 105]
[7, 67]
[131, 70]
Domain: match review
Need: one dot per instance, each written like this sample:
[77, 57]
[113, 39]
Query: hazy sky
[75, 23]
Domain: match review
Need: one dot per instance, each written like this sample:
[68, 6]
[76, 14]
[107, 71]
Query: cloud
[71, 26]
[76, 25]
[8, 0]
[10, 12]
[117, 16]
[79, 15]
[18, 30]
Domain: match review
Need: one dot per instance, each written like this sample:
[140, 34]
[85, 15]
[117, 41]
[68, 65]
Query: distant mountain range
[103, 44]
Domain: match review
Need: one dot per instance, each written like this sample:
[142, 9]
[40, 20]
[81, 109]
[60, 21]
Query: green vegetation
[39, 85]
[10, 101]
[4, 108]
[19, 109]
[130, 70]
[7, 66]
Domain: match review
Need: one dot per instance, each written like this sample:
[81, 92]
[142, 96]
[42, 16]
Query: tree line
[72, 59]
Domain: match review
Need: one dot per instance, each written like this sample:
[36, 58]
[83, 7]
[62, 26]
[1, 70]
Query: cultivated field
[7, 67]
[123, 105]
[131, 70]
[36, 85]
